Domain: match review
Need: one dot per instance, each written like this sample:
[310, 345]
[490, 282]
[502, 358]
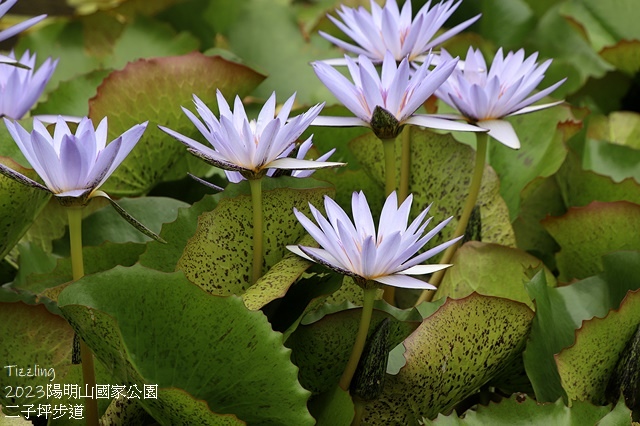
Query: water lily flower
[303, 149]
[250, 147]
[486, 98]
[20, 87]
[386, 101]
[74, 166]
[10, 32]
[389, 30]
[387, 255]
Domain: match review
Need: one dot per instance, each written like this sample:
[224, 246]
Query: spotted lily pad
[33, 338]
[134, 332]
[560, 311]
[585, 367]
[276, 282]
[19, 206]
[520, 410]
[218, 256]
[154, 90]
[454, 351]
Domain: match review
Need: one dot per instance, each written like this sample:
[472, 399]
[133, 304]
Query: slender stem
[361, 339]
[472, 197]
[389, 146]
[77, 266]
[256, 198]
[359, 407]
[405, 164]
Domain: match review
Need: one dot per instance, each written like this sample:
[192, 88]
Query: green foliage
[150, 346]
[442, 367]
[520, 410]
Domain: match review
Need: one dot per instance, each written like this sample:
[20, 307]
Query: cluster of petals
[396, 90]
[485, 96]
[387, 255]
[71, 165]
[302, 152]
[390, 30]
[251, 147]
[20, 87]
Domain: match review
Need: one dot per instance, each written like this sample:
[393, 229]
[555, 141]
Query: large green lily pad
[454, 351]
[579, 187]
[586, 233]
[32, 338]
[560, 311]
[520, 410]
[218, 257]
[154, 90]
[491, 270]
[585, 367]
[128, 317]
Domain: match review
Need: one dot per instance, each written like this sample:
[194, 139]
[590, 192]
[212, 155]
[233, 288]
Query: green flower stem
[474, 189]
[256, 198]
[77, 266]
[389, 146]
[359, 407]
[405, 164]
[361, 338]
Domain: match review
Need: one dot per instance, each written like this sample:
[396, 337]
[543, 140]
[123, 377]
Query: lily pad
[542, 135]
[322, 344]
[560, 311]
[586, 366]
[491, 270]
[441, 171]
[624, 55]
[133, 330]
[154, 90]
[218, 256]
[586, 233]
[277, 281]
[33, 338]
[540, 198]
[164, 257]
[19, 206]
[454, 351]
[519, 410]
[580, 187]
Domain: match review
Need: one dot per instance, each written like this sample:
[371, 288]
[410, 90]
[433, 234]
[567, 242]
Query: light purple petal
[502, 131]
[404, 281]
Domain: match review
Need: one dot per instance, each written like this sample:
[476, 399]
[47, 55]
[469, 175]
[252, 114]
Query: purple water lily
[484, 97]
[387, 255]
[390, 30]
[72, 166]
[386, 101]
[251, 147]
[20, 87]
